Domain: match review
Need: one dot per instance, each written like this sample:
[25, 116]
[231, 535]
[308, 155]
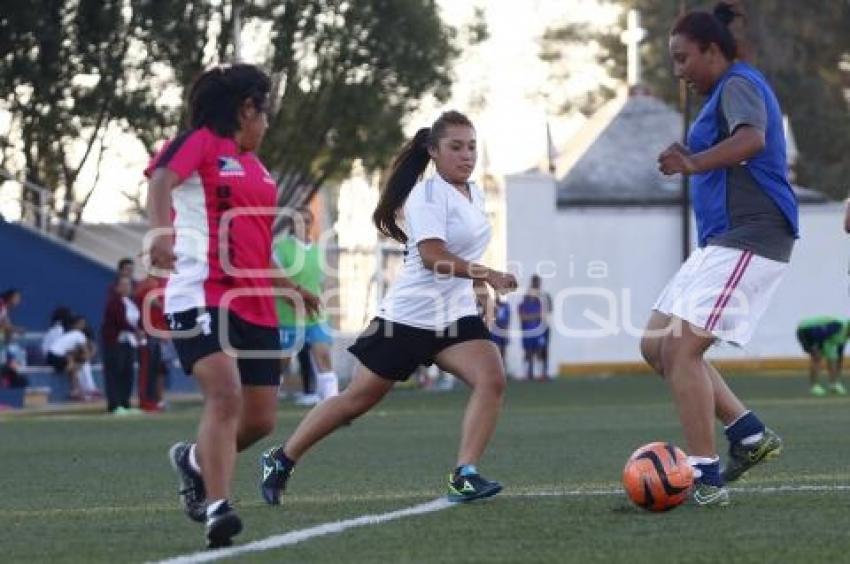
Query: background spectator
[534, 310]
[68, 352]
[126, 268]
[500, 331]
[302, 260]
[121, 336]
[148, 298]
[824, 337]
[9, 300]
[60, 321]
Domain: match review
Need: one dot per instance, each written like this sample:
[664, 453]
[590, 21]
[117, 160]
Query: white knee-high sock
[327, 384]
[86, 379]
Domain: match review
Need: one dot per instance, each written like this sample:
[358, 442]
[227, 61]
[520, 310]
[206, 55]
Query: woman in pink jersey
[211, 206]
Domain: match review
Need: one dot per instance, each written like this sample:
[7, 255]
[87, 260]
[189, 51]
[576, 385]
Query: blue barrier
[12, 397]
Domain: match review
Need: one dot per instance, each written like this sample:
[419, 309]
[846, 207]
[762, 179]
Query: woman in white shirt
[68, 352]
[430, 314]
[59, 322]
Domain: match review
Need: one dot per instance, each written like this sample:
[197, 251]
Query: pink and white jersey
[222, 213]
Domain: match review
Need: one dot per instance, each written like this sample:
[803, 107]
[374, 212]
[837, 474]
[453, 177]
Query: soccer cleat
[838, 389]
[222, 525]
[471, 487]
[743, 457]
[275, 476]
[817, 390]
[706, 495]
[193, 494]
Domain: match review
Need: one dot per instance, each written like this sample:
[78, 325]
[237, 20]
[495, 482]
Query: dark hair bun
[724, 12]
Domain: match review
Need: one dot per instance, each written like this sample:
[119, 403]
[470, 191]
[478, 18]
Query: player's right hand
[501, 282]
[161, 255]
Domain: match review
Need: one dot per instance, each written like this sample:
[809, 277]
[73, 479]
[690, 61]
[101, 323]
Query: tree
[348, 74]
[803, 48]
[345, 75]
[67, 72]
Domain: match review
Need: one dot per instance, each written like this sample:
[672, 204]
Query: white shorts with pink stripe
[722, 291]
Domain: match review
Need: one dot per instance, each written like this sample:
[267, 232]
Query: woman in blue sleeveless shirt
[746, 215]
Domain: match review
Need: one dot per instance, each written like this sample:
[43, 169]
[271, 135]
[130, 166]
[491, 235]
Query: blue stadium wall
[49, 275]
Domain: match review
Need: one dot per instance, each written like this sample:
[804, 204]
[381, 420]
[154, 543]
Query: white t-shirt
[437, 210]
[66, 342]
[51, 335]
[132, 314]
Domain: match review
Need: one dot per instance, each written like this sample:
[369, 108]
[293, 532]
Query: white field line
[294, 537]
[298, 536]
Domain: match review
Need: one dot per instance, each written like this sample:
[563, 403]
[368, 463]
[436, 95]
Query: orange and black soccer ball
[658, 477]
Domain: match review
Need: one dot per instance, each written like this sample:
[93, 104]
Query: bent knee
[650, 349]
[256, 429]
[491, 383]
[227, 402]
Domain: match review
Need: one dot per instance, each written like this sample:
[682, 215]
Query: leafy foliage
[346, 73]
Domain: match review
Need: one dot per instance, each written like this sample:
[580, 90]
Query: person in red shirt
[121, 337]
[148, 297]
[211, 206]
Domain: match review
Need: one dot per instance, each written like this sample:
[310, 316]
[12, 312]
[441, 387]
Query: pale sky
[512, 124]
[506, 68]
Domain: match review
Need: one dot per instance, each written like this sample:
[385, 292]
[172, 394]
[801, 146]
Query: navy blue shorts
[812, 338]
[535, 340]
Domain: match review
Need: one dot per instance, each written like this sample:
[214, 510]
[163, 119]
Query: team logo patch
[229, 166]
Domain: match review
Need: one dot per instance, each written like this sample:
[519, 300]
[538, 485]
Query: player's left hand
[312, 302]
[676, 159]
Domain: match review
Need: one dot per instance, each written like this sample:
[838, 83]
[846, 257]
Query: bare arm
[743, 144]
[161, 250]
[281, 281]
[437, 258]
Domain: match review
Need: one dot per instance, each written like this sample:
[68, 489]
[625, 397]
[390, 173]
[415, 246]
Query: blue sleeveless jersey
[769, 167]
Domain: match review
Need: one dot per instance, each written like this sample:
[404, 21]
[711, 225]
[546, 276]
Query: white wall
[605, 267]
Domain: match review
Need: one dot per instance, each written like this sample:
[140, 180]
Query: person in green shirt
[302, 260]
[823, 338]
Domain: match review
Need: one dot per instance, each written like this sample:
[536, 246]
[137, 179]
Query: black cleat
[193, 494]
[471, 487]
[743, 457]
[222, 525]
[275, 476]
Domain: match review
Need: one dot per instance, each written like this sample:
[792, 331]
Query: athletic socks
[327, 384]
[706, 470]
[281, 457]
[746, 429]
[466, 470]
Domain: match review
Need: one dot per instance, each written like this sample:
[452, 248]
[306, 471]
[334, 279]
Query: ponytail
[407, 167]
[704, 29]
[406, 170]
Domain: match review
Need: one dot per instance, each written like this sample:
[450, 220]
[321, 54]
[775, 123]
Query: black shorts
[59, 363]
[198, 333]
[393, 351]
[812, 338]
